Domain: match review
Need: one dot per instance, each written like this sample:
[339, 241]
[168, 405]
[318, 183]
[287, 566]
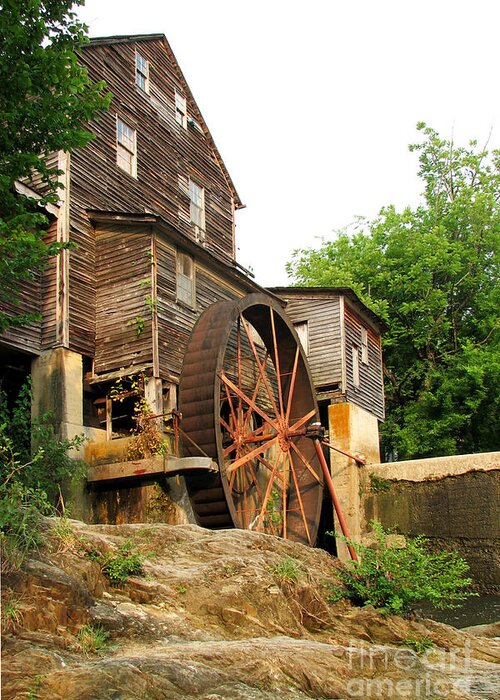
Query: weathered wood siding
[35, 181]
[49, 296]
[370, 392]
[24, 338]
[323, 319]
[123, 328]
[167, 155]
[37, 295]
[176, 320]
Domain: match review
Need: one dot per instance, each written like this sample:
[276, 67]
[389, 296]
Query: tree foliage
[46, 100]
[431, 272]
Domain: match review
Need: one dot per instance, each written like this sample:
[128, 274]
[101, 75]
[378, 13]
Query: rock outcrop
[217, 615]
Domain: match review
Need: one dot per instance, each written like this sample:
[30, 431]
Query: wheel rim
[270, 479]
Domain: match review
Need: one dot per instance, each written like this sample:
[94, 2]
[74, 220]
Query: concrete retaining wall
[454, 501]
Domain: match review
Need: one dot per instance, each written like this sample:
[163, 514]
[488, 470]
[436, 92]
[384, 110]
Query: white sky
[312, 105]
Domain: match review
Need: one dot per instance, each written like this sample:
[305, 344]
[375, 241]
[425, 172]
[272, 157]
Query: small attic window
[180, 110]
[141, 72]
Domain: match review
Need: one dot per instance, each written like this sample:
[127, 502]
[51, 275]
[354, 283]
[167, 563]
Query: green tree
[431, 272]
[46, 100]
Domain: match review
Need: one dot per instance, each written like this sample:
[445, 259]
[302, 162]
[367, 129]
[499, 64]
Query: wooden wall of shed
[124, 312]
[323, 318]
[167, 155]
[370, 392]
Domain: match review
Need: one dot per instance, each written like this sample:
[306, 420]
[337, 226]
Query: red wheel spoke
[230, 403]
[292, 384]
[303, 420]
[299, 497]
[284, 493]
[268, 465]
[277, 363]
[227, 427]
[255, 391]
[250, 455]
[239, 363]
[229, 449]
[243, 486]
[270, 392]
[305, 462]
[249, 401]
[263, 509]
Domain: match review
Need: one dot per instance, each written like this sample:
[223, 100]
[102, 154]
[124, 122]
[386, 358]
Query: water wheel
[246, 397]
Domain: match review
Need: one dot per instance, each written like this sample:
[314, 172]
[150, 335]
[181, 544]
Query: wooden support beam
[151, 466]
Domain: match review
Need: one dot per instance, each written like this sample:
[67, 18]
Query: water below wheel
[246, 398]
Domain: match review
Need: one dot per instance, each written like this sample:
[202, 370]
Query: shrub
[395, 579]
[21, 512]
[30, 477]
[24, 444]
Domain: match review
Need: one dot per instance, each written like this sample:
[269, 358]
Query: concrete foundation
[57, 380]
[353, 430]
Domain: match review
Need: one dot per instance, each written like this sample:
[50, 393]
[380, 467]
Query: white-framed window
[141, 72]
[364, 346]
[355, 365]
[197, 208]
[302, 329]
[185, 279]
[180, 110]
[126, 147]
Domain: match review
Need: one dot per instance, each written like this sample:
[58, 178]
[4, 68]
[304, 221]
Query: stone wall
[451, 500]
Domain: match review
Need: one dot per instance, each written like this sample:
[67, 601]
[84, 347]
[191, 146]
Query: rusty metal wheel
[246, 398]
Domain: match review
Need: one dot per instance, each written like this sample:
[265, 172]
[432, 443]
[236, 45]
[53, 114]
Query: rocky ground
[217, 615]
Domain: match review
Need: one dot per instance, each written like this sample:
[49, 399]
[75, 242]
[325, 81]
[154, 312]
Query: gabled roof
[325, 293]
[136, 38]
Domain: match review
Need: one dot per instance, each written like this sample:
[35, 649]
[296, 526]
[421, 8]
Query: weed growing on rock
[287, 570]
[35, 689]
[126, 562]
[91, 639]
[118, 567]
[397, 578]
[12, 612]
[418, 644]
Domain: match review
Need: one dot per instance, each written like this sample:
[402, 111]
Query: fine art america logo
[388, 673]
